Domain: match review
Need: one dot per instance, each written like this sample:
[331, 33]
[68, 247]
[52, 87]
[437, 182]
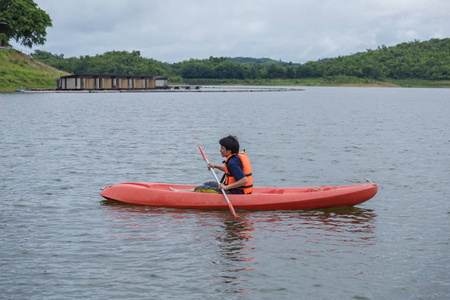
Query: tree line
[113, 62]
[419, 60]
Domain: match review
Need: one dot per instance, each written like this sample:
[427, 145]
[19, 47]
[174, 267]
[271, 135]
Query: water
[59, 240]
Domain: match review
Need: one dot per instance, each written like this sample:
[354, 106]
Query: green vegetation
[414, 60]
[407, 64]
[19, 71]
[113, 62]
[327, 81]
[263, 61]
[117, 62]
[413, 64]
[26, 23]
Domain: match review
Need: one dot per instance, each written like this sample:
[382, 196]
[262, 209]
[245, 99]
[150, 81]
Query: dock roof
[97, 75]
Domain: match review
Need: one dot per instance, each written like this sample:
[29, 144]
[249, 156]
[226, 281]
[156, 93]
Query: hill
[263, 61]
[20, 71]
[429, 60]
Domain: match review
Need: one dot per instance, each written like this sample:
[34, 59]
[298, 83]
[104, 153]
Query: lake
[60, 240]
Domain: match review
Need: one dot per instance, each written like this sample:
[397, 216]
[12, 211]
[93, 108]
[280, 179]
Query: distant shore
[333, 81]
[174, 89]
[199, 85]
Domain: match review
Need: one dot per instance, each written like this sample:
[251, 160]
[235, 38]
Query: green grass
[19, 71]
[420, 83]
[324, 81]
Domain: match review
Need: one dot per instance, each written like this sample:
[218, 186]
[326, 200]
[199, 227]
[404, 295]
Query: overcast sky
[287, 30]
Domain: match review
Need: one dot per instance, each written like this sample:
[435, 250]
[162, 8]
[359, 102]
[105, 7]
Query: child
[237, 168]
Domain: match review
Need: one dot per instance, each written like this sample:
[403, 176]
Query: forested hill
[422, 60]
[263, 61]
[428, 60]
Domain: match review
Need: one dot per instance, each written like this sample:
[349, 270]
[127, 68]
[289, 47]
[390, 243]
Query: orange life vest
[247, 168]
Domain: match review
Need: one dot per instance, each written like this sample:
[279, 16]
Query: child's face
[224, 151]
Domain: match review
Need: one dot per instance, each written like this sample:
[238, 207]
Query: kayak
[262, 198]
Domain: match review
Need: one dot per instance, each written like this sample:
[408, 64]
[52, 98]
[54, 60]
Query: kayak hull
[262, 198]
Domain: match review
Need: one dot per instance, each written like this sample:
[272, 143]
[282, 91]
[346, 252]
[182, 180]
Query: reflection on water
[231, 250]
[58, 240]
[233, 238]
[235, 255]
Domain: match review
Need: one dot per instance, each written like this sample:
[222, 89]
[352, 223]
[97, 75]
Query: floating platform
[173, 89]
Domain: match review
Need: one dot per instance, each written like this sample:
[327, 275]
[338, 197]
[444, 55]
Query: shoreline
[177, 89]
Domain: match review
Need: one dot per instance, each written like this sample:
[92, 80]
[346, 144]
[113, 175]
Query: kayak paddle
[218, 182]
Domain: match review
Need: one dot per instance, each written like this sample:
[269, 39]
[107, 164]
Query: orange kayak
[262, 198]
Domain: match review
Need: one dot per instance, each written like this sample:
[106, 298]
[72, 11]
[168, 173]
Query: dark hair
[230, 143]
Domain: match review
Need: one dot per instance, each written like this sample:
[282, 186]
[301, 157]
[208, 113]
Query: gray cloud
[289, 30]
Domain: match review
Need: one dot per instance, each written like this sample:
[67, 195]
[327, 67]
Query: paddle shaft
[218, 182]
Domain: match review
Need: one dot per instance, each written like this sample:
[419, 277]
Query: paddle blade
[232, 210]
[201, 151]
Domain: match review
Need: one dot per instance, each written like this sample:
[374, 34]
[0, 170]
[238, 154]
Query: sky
[287, 30]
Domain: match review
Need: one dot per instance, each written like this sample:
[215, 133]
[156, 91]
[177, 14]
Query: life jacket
[247, 168]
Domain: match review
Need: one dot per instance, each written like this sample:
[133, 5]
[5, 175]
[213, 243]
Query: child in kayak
[237, 168]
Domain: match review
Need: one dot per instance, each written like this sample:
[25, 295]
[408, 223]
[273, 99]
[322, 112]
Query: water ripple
[59, 240]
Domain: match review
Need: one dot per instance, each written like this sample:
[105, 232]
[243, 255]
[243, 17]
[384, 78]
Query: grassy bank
[20, 71]
[327, 81]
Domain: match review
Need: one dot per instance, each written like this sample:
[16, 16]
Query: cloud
[289, 30]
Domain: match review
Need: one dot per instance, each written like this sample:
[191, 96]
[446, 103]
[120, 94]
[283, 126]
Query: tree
[27, 23]
[275, 72]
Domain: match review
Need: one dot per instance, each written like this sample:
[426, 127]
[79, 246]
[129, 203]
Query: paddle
[218, 182]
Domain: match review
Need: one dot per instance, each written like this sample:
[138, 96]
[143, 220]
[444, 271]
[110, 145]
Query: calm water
[59, 240]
